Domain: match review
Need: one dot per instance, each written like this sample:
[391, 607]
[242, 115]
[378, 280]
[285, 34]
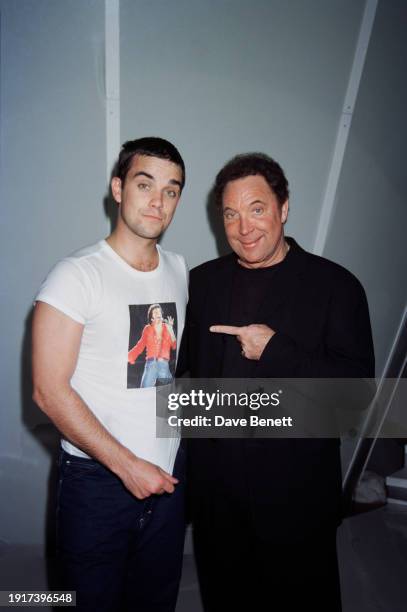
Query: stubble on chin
[143, 230]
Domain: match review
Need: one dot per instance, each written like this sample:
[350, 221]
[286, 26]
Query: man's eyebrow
[150, 176]
[141, 173]
[175, 182]
[257, 201]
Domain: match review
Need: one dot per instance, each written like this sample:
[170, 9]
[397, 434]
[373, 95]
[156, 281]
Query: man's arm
[347, 350]
[347, 347]
[169, 323]
[56, 343]
[139, 347]
[253, 338]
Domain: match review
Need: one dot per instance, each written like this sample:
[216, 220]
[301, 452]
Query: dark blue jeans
[118, 552]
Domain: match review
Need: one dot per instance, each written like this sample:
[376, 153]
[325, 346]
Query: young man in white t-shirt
[120, 501]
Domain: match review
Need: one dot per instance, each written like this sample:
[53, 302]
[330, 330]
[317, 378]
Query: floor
[372, 557]
[373, 561]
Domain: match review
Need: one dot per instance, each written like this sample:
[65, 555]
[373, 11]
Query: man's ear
[284, 211]
[116, 186]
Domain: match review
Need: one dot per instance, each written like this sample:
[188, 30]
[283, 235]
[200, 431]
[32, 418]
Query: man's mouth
[153, 217]
[251, 244]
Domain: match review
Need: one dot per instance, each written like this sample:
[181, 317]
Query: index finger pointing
[232, 330]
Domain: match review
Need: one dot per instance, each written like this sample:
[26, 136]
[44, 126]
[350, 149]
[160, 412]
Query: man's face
[156, 315]
[149, 196]
[254, 221]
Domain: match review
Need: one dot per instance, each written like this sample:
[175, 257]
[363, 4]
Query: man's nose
[157, 199]
[245, 226]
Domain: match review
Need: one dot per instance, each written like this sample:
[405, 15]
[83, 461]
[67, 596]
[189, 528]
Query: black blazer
[320, 314]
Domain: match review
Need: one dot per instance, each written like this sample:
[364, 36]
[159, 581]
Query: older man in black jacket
[265, 511]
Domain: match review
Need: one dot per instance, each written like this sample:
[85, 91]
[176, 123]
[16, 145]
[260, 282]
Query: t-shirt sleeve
[66, 289]
[186, 270]
[184, 267]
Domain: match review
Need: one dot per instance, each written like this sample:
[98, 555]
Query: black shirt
[249, 288]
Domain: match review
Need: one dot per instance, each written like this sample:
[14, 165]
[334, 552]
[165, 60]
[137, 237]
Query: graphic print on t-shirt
[152, 344]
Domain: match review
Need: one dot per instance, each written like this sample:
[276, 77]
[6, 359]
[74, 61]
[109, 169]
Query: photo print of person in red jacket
[158, 340]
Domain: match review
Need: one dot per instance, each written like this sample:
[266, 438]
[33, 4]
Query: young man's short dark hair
[250, 164]
[152, 147]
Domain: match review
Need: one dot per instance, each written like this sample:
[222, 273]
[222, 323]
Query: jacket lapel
[221, 291]
[218, 310]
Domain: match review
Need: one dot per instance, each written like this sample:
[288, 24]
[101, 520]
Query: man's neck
[140, 253]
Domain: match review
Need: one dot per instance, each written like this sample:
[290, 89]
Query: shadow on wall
[40, 429]
[216, 224]
[33, 495]
[109, 204]
[111, 209]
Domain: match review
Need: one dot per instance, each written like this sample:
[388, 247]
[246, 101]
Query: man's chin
[249, 258]
[149, 233]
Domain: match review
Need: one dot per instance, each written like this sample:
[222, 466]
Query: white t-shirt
[98, 289]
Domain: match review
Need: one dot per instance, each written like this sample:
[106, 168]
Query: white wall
[217, 78]
[52, 189]
[225, 77]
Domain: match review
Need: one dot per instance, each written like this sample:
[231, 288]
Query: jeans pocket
[72, 467]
